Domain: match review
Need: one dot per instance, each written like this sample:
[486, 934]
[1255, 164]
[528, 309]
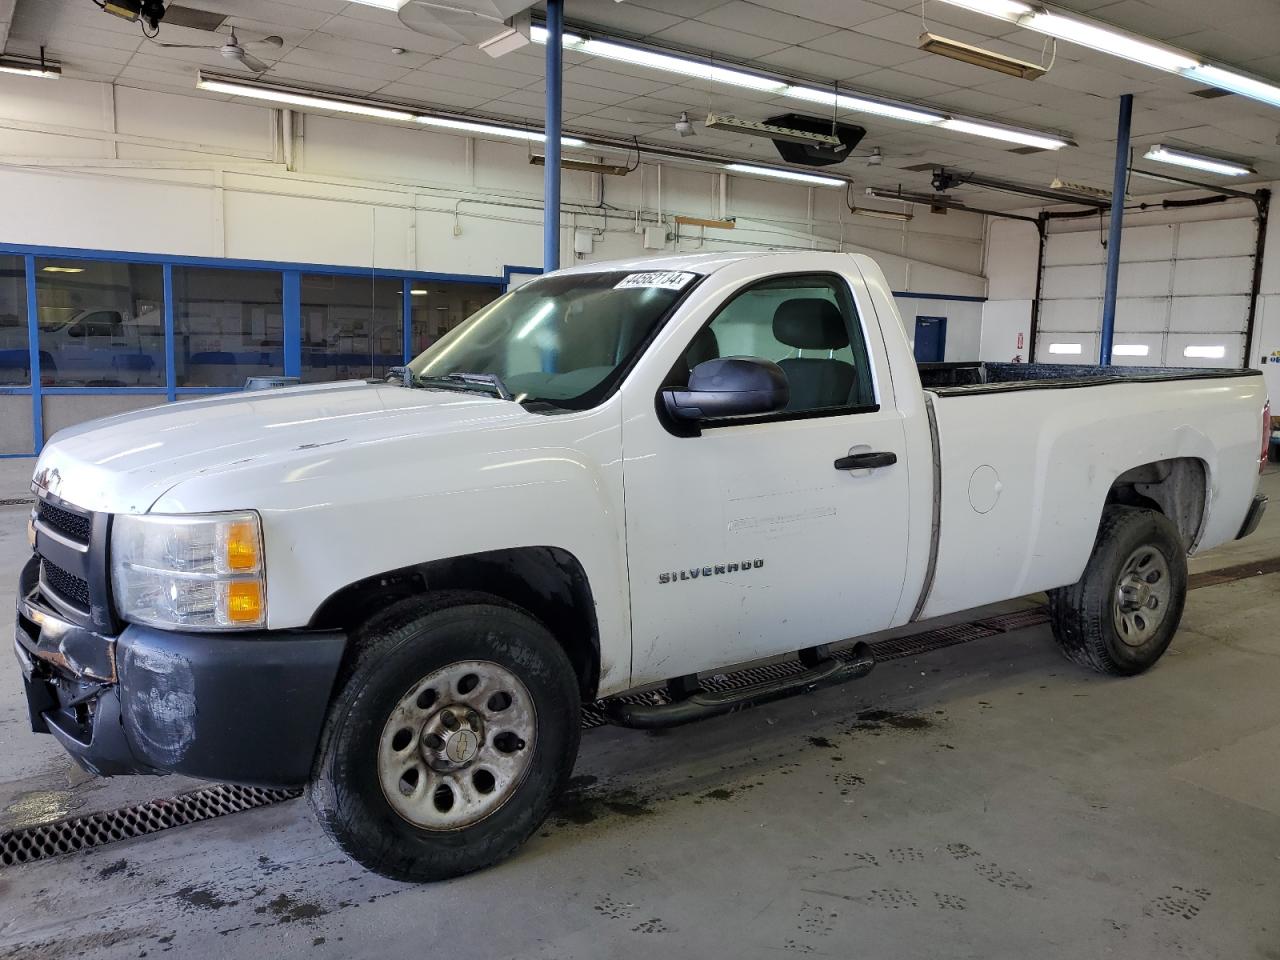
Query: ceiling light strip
[1105, 38]
[778, 173]
[316, 101]
[30, 67]
[682, 65]
[1184, 158]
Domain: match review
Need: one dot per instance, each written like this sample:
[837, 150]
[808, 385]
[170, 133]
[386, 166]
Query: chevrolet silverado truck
[613, 480]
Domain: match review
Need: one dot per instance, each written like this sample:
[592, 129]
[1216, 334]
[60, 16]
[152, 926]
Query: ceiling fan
[232, 49]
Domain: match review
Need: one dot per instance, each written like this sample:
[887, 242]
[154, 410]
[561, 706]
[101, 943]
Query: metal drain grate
[95, 829]
[17, 501]
[1017, 620]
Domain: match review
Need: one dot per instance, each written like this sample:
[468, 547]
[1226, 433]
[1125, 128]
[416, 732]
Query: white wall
[92, 165]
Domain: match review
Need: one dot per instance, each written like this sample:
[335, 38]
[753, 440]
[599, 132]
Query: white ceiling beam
[6, 20]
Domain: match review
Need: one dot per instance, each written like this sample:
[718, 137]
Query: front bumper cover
[243, 708]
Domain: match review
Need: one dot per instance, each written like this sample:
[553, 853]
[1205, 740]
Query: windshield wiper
[470, 381]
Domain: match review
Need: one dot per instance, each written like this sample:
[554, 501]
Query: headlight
[200, 572]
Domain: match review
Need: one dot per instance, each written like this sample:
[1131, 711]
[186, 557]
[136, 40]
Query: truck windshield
[563, 340]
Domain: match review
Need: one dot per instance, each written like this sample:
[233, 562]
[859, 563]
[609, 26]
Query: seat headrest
[810, 323]
[704, 347]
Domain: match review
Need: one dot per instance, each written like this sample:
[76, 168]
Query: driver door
[744, 540]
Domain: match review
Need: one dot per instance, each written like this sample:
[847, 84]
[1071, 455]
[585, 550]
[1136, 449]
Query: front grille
[73, 526]
[67, 586]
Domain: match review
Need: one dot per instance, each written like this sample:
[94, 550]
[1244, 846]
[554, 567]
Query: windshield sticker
[665, 279]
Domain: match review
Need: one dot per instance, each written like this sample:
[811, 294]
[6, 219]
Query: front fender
[354, 511]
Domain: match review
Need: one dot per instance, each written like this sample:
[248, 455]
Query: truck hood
[125, 463]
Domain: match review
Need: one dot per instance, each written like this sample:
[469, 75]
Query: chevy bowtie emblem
[714, 570]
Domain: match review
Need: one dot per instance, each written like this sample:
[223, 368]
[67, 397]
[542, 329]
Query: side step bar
[704, 703]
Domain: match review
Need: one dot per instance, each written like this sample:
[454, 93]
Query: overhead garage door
[1183, 297]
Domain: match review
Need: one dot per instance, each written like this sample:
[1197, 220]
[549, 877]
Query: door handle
[867, 461]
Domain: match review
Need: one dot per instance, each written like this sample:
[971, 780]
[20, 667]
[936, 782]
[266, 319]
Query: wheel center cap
[461, 746]
[1134, 595]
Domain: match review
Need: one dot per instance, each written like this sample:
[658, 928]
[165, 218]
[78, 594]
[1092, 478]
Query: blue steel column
[551, 173]
[33, 347]
[1113, 235]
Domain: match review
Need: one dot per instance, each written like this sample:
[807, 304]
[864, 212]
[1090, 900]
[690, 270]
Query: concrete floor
[1007, 804]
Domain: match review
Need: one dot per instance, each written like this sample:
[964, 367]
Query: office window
[228, 325]
[101, 323]
[352, 326]
[437, 307]
[15, 356]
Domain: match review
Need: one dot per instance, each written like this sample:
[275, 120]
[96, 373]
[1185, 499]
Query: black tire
[394, 650]
[1083, 616]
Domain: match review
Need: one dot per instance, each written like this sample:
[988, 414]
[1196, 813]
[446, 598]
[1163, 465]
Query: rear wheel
[1121, 615]
[454, 731]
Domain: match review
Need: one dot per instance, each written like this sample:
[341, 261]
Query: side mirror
[730, 387]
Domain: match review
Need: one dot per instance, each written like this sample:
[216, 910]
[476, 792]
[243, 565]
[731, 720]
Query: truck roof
[702, 263]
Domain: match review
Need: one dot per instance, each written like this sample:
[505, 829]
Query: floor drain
[95, 829]
[17, 501]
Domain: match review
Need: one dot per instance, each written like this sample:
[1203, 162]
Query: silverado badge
[694, 573]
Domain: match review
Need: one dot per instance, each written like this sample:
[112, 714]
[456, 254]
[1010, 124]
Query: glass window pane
[437, 307]
[806, 325]
[15, 355]
[228, 325]
[352, 327]
[101, 323]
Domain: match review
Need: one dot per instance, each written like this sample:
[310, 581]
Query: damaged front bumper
[243, 708]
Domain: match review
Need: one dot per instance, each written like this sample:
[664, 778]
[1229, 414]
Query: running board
[705, 703]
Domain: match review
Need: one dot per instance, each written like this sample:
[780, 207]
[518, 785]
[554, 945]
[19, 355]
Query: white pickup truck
[614, 478]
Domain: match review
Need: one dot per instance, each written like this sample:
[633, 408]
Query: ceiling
[868, 46]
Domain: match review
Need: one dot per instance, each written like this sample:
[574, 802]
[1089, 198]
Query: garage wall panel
[1137, 314]
[1145, 244]
[1070, 314]
[1072, 281]
[1192, 314]
[1217, 238]
[1144, 279]
[1212, 275]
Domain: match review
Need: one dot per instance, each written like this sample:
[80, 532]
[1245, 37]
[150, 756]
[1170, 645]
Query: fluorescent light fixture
[1235, 82]
[980, 57]
[493, 130]
[1183, 158]
[62, 269]
[315, 102]
[323, 102]
[671, 63]
[779, 174]
[1099, 37]
[1214, 352]
[418, 293]
[1074, 349]
[1130, 350]
[855, 104]
[1042, 140]
[31, 67]
[900, 215]
[755, 128]
[590, 166]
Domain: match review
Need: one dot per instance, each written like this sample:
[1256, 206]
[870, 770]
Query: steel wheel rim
[457, 745]
[1142, 595]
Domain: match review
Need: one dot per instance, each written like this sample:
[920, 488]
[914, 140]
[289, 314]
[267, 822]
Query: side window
[807, 325]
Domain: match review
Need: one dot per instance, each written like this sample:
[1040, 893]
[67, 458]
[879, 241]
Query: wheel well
[548, 582]
[1178, 488]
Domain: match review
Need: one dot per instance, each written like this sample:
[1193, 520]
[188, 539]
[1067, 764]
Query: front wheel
[455, 730]
[1121, 615]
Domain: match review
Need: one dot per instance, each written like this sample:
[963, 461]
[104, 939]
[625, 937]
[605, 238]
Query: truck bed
[959, 379]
